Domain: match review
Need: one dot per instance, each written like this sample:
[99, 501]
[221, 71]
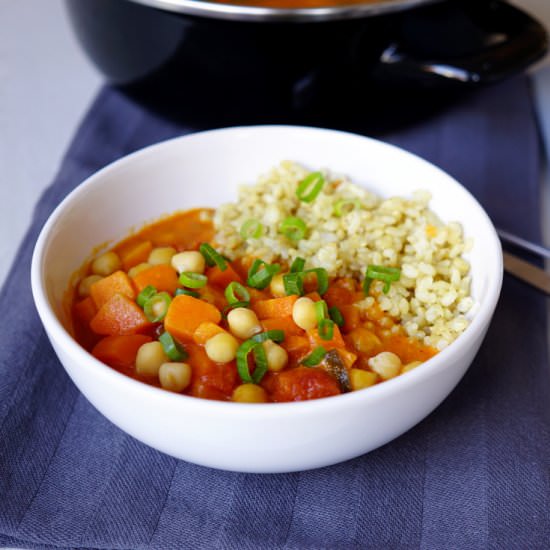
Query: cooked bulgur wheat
[432, 295]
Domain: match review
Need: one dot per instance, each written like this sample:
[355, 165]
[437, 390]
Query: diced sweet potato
[186, 313]
[163, 277]
[116, 283]
[119, 351]
[120, 315]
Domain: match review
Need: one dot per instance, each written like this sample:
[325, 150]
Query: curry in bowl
[308, 286]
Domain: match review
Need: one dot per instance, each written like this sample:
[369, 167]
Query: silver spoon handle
[523, 243]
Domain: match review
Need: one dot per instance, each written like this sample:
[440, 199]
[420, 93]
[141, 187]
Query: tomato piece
[300, 384]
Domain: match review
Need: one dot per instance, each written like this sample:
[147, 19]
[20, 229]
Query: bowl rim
[58, 333]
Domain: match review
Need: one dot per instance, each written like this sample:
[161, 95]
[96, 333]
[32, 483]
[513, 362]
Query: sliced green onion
[321, 310]
[212, 257]
[260, 359]
[344, 206]
[310, 187]
[233, 305]
[172, 348]
[145, 294]
[187, 292]
[293, 228]
[315, 357]
[293, 283]
[252, 229]
[336, 316]
[275, 335]
[297, 265]
[235, 292]
[322, 278]
[156, 307]
[193, 280]
[261, 273]
[381, 273]
[325, 328]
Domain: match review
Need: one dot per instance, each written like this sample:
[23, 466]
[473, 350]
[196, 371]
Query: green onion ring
[310, 187]
[293, 283]
[336, 316]
[172, 348]
[321, 310]
[293, 228]
[212, 257]
[260, 278]
[260, 359]
[315, 357]
[297, 265]
[322, 279]
[381, 273]
[156, 307]
[342, 206]
[252, 229]
[325, 328]
[145, 294]
[235, 292]
[193, 280]
[187, 292]
[275, 335]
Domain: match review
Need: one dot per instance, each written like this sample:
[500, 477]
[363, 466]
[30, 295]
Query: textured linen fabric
[473, 475]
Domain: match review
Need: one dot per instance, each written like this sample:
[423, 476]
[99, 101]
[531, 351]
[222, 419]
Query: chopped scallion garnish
[172, 348]
[145, 294]
[321, 310]
[187, 292]
[293, 228]
[156, 307]
[381, 273]
[235, 292]
[310, 187]
[252, 229]
[297, 265]
[275, 335]
[261, 273]
[325, 328]
[193, 280]
[336, 316]
[293, 283]
[343, 206]
[212, 256]
[315, 357]
[260, 360]
[322, 278]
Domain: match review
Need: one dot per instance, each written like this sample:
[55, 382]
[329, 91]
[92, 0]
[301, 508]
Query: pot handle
[501, 41]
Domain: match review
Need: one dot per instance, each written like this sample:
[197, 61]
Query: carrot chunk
[163, 277]
[220, 378]
[295, 344]
[116, 283]
[285, 324]
[186, 313]
[120, 315]
[335, 342]
[85, 310]
[275, 307]
[352, 317]
[205, 331]
[136, 255]
[222, 278]
[119, 350]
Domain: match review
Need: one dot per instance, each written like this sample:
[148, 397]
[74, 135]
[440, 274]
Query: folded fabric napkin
[474, 474]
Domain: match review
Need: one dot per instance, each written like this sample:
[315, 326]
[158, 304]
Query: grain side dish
[307, 286]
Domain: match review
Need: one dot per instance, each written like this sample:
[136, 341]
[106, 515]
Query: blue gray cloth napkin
[473, 475]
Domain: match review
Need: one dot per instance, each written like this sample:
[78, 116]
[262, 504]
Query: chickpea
[150, 357]
[386, 364]
[277, 286]
[133, 271]
[364, 340]
[161, 255]
[243, 323]
[304, 314]
[410, 366]
[86, 283]
[222, 348]
[277, 357]
[249, 393]
[175, 376]
[190, 261]
[106, 264]
[361, 379]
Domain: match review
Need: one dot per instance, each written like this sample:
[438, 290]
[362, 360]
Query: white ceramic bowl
[204, 169]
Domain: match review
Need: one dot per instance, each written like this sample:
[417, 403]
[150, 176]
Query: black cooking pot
[230, 62]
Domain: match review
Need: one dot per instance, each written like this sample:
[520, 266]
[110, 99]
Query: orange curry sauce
[116, 340]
